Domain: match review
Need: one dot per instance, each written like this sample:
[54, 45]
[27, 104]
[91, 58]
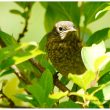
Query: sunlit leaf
[102, 64]
[11, 89]
[102, 88]
[11, 50]
[90, 9]
[96, 101]
[58, 95]
[88, 97]
[101, 11]
[20, 57]
[10, 41]
[106, 92]
[90, 54]
[83, 80]
[7, 52]
[98, 94]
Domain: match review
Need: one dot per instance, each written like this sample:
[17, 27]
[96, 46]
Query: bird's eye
[60, 28]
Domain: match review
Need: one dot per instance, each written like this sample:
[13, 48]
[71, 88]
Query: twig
[38, 65]
[11, 103]
[55, 78]
[21, 35]
[62, 87]
[20, 75]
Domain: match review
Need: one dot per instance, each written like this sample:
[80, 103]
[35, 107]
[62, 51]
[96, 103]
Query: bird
[63, 47]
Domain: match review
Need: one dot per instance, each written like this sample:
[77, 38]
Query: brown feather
[65, 54]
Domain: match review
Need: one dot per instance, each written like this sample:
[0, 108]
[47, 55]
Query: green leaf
[15, 12]
[69, 104]
[11, 50]
[46, 81]
[27, 98]
[103, 10]
[58, 95]
[10, 41]
[7, 52]
[40, 89]
[59, 11]
[25, 14]
[42, 43]
[85, 33]
[104, 79]
[102, 64]
[88, 97]
[24, 4]
[7, 39]
[106, 92]
[37, 92]
[90, 9]
[98, 93]
[96, 101]
[98, 36]
[6, 72]
[107, 104]
[44, 4]
[64, 80]
[84, 80]
[20, 57]
[100, 96]
[90, 54]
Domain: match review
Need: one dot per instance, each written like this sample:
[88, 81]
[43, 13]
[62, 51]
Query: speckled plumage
[65, 52]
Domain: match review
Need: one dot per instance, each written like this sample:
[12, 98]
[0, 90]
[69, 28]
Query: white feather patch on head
[66, 26]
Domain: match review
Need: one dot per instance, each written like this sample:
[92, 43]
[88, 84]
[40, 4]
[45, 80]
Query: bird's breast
[61, 51]
[65, 56]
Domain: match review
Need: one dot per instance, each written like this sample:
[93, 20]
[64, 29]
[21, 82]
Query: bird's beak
[73, 29]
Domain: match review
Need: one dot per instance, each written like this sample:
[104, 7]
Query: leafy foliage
[91, 9]
[65, 9]
[28, 62]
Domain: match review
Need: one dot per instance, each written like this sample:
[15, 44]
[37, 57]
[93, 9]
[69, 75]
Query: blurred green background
[13, 24]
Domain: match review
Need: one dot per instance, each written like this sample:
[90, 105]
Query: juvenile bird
[64, 48]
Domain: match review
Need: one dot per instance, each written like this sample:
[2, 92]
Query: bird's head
[63, 28]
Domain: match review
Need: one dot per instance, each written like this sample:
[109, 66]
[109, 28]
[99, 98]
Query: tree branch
[26, 18]
[11, 103]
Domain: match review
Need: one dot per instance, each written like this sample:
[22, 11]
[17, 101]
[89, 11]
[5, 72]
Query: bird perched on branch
[64, 48]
